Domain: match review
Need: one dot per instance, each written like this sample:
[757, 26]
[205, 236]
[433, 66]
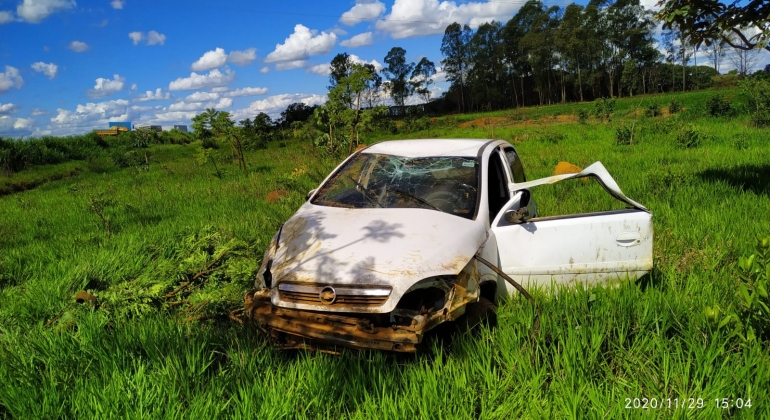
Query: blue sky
[68, 67]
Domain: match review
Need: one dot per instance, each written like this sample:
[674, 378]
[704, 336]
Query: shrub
[209, 142]
[674, 107]
[718, 106]
[624, 136]
[741, 142]
[582, 115]
[689, 138]
[551, 137]
[603, 108]
[757, 91]
[724, 80]
[653, 110]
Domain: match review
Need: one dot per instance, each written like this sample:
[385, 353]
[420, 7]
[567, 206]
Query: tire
[479, 313]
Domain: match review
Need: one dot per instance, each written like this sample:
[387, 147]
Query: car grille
[333, 295]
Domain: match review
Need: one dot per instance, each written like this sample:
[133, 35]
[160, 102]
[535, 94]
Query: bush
[757, 91]
[582, 115]
[689, 138]
[551, 137]
[724, 80]
[624, 136]
[718, 106]
[209, 142]
[603, 108]
[674, 107]
[653, 110]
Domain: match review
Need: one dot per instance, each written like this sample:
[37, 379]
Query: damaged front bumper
[302, 329]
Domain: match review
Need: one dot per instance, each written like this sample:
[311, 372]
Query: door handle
[629, 239]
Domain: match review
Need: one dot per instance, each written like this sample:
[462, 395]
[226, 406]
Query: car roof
[429, 147]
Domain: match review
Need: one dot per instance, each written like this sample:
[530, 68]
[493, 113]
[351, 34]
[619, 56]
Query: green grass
[141, 355]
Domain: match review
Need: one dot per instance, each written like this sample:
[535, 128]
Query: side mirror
[310, 194]
[517, 216]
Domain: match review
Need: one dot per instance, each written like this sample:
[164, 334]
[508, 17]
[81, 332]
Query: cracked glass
[446, 184]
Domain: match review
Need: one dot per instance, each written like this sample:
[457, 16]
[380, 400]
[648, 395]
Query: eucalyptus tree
[397, 73]
[421, 78]
[487, 71]
[455, 49]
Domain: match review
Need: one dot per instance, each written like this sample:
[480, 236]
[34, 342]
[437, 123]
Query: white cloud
[78, 46]
[358, 60]
[6, 17]
[323, 69]
[136, 36]
[410, 18]
[10, 78]
[288, 65]
[133, 86]
[220, 89]
[223, 92]
[242, 58]
[247, 91]
[22, 123]
[152, 37]
[210, 60]
[37, 112]
[8, 109]
[199, 106]
[155, 38]
[198, 97]
[301, 44]
[149, 95]
[117, 4]
[650, 5]
[359, 40]
[264, 70]
[34, 11]
[363, 10]
[49, 70]
[93, 115]
[202, 81]
[273, 105]
[106, 87]
[9, 124]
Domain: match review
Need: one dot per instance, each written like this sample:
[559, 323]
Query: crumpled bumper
[298, 329]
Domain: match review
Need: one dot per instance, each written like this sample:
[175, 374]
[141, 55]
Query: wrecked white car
[391, 243]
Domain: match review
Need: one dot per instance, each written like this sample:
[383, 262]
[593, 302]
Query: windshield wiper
[366, 192]
[414, 197]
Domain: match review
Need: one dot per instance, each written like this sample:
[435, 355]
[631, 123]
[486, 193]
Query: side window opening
[497, 185]
[516, 168]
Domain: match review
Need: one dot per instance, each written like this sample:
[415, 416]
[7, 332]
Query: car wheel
[483, 312]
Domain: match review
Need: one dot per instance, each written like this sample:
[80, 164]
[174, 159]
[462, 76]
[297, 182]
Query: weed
[653, 110]
[689, 138]
[674, 107]
[551, 137]
[758, 93]
[741, 142]
[582, 114]
[718, 106]
[624, 136]
[604, 108]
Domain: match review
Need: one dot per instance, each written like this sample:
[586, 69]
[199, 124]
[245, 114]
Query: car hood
[391, 247]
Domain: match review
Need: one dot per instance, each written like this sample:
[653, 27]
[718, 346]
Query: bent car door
[586, 248]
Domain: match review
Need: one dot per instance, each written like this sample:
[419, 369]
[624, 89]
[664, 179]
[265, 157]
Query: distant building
[126, 124]
[155, 128]
[181, 128]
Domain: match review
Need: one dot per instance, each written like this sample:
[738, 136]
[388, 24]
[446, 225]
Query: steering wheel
[449, 197]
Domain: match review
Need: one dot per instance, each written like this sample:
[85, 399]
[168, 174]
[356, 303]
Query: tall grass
[136, 354]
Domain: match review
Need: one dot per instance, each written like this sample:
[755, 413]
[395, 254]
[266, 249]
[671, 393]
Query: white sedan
[391, 243]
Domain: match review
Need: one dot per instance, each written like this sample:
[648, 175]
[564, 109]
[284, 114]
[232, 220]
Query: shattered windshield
[447, 184]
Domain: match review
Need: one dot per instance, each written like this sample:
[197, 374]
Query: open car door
[587, 248]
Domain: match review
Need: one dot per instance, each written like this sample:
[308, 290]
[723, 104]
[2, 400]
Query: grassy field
[168, 252]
